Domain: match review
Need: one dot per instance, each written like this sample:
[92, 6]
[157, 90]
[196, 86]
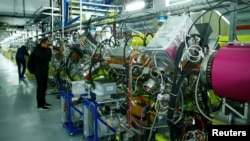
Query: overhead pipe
[99, 5]
[63, 7]
[171, 8]
[64, 10]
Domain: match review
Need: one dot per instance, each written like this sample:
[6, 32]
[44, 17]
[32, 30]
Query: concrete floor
[20, 120]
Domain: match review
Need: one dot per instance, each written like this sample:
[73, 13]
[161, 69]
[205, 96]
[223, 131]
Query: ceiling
[16, 14]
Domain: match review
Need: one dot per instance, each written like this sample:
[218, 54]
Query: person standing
[21, 61]
[42, 58]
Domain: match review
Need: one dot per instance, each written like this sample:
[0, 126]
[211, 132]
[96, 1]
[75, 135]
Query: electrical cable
[133, 30]
[68, 66]
[222, 16]
[194, 53]
[244, 1]
[135, 89]
[174, 91]
[128, 17]
[108, 25]
[178, 56]
[209, 3]
[149, 128]
[206, 35]
[163, 57]
[203, 15]
[148, 29]
[182, 107]
[146, 38]
[144, 108]
[197, 103]
[152, 128]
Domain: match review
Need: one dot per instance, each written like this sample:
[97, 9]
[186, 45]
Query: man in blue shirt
[21, 61]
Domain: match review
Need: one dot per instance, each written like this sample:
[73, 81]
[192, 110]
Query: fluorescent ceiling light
[167, 3]
[135, 5]
[180, 2]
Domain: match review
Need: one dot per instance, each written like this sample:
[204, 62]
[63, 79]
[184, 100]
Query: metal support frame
[69, 123]
[92, 107]
[232, 29]
[233, 115]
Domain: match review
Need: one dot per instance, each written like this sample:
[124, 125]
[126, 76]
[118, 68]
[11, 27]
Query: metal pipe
[110, 101]
[96, 4]
[24, 9]
[152, 128]
[80, 16]
[232, 29]
[52, 17]
[170, 8]
[234, 110]
[63, 18]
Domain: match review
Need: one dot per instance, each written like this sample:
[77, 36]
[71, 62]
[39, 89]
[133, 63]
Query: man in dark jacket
[21, 61]
[42, 58]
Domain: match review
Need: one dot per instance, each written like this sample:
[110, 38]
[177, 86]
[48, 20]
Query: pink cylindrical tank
[230, 72]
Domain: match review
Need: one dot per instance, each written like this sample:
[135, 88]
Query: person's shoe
[42, 108]
[48, 105]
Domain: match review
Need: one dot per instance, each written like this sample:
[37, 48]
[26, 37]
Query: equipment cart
[95, 126]
[72, 112]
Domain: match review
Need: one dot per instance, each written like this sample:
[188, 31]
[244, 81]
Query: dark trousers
[41, 81]
[21, 65]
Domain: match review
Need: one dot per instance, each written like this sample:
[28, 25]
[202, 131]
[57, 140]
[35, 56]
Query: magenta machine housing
[228, 72]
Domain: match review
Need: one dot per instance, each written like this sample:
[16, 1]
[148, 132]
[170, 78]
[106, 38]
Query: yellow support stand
[223, 40]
